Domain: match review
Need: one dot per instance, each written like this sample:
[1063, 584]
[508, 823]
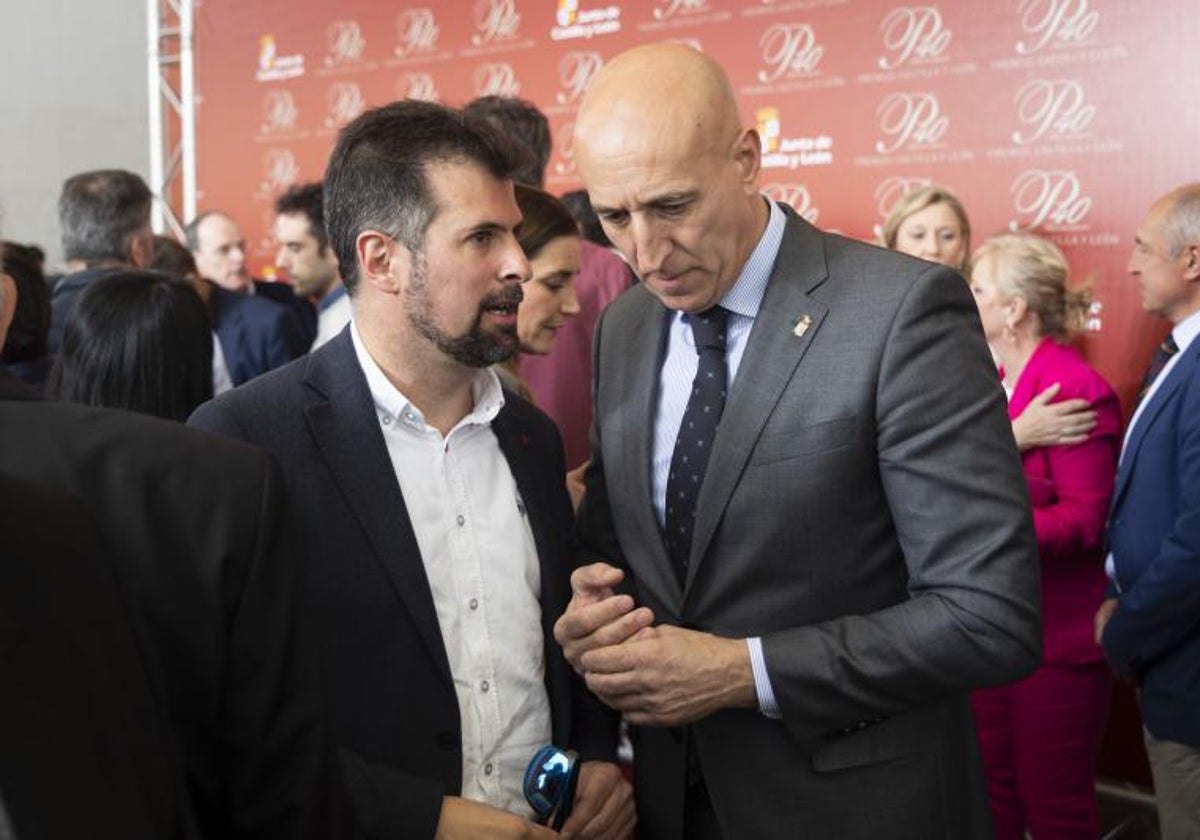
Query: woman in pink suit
[1040, 736]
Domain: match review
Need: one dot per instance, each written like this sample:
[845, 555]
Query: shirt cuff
[762, 680]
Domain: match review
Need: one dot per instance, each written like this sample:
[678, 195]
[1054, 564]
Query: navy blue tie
[1162, 355]
[696, 435]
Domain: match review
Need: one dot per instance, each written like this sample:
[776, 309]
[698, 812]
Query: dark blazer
[256, 334]
[84, 747]
[12, 388]
[202, 547]
[392, 702]
[864, 513]
[1154, 536]
[62, 300]
[285, 294]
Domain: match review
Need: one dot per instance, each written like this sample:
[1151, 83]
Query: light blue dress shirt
[675, 385]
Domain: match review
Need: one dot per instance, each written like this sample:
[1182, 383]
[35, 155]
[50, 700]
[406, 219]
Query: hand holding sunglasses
[549, 786]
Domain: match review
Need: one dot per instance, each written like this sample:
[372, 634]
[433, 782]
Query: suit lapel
[1182, 371]
[514, 438]
[544, 505]
[773, 352]
[629, 474]
[341, 416]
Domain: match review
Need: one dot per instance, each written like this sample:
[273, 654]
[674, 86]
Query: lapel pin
[802, 326]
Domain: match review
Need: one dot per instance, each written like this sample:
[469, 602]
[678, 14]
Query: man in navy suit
[431, 502]
[255, 337]
[1150, 628]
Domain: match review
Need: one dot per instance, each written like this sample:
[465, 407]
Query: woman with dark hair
[550, 239]
[26, 353]
[138, 341]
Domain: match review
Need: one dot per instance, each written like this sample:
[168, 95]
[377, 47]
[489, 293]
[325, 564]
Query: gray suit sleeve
[951, 476]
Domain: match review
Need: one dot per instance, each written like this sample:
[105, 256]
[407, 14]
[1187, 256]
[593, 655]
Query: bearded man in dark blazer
[793, 602]
[434, 513]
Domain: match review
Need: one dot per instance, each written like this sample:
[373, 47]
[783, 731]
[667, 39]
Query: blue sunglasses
[550, 785]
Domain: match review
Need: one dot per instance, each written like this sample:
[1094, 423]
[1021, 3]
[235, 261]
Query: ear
[1191, 262]
[747, 156]
[141, 247]
[380, 260]
[1017, 308]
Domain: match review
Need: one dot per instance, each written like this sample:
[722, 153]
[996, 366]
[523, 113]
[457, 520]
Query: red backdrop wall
[1067, 117]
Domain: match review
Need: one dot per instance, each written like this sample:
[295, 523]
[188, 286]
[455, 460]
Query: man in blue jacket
[1150, 628]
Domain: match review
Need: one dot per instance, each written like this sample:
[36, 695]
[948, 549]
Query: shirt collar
[331, 297]
[1186, 330]
[746, 295]
[390, 403]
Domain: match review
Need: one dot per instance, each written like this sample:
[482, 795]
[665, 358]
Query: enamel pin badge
[802, 326]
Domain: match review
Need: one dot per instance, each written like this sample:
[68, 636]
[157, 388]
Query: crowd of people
[849, 540]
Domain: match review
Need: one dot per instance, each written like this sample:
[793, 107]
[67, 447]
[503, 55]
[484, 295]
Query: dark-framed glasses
[550, 785]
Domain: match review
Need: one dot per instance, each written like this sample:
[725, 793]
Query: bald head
[671, 172]
[664, 92]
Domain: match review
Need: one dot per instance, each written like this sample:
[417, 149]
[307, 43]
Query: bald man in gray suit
[793, 603]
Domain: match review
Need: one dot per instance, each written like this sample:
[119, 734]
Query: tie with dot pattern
[696, 434]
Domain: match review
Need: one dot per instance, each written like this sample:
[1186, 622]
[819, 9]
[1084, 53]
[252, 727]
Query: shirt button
[474, 603]
[483, 686]
[487, 769]
[461, 520]
[387, 420]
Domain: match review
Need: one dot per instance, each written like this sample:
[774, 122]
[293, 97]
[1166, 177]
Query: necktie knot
[708, 328]
[1158, 364]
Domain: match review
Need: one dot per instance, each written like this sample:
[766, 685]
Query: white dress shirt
[222, 381]
[675, 386]
[482, 564]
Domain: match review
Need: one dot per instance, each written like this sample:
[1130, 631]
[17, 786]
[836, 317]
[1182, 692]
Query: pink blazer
[1070, 488]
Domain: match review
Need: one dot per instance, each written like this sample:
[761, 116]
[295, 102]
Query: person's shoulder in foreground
[201, 538]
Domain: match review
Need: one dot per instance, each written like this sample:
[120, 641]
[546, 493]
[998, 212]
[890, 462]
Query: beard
[477, 347]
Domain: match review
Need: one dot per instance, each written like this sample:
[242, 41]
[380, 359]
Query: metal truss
[172, 90]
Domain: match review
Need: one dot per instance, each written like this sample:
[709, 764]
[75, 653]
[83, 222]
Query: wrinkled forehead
[648, 150]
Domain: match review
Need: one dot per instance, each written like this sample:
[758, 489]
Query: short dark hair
[100, 213]
[580, 205]
[29, 333]
[543, 219]
[306, 200]
[170, 257]
[376, 178]
[138, 341]
[525, 127]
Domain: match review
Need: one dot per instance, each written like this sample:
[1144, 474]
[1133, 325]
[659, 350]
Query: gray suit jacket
[863, 512]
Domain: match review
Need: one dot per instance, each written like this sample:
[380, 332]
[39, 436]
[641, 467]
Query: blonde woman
[1040, 736]
[931, 223]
